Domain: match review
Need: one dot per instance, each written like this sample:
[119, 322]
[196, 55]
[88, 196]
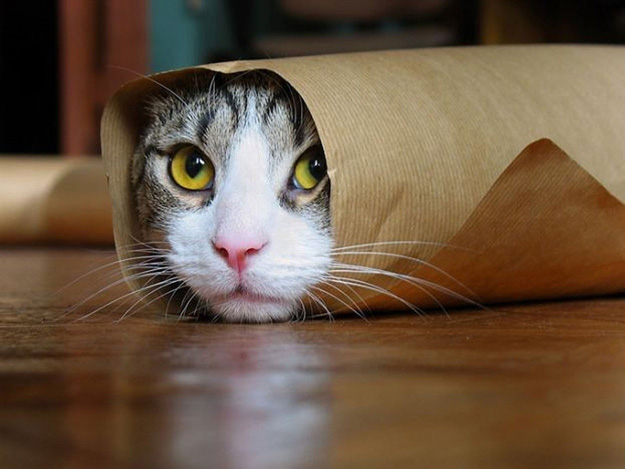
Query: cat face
[232, 192]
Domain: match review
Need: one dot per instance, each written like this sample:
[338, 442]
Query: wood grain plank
[517, 385]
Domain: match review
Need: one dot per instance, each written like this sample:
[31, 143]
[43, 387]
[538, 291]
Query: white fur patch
[296, 253]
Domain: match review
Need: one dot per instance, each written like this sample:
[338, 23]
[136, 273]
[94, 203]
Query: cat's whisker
[212, 88]
[353, 290]
[149, 78]
[342, 292]
[173, 295]
[206, 311]
[187, 294]
[301, 317]
[231, 78]
[140, 242]
[320, 302]
[109, 265]
[355, 309]
[214, 319]
[398, 243]
[393, 275]
[143, 274]
[163, 292]
[414, 260]
[377, 289]
[141, 297]
[184, 306]
[145, 251]
[141, 292]
[150, 244]
[197, 302]
[157, 248]
[139, 271]
[422, 288]
[201, 309]
[316, 306]
[310, 304]
[417, 282]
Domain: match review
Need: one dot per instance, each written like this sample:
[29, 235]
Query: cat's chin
[242, 307]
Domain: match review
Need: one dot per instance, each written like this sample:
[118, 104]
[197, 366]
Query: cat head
[233, 195]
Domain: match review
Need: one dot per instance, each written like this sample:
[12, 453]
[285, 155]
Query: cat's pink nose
[236, 252]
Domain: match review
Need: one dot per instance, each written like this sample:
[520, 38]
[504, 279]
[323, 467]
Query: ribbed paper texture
[420, 147]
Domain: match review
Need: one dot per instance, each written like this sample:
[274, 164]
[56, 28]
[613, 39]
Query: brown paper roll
[54, 200]
[416, 143]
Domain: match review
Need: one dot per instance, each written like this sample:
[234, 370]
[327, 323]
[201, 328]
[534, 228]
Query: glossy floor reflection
[525, 385]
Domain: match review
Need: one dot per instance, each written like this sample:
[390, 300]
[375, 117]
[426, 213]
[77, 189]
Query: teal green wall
[181, 35]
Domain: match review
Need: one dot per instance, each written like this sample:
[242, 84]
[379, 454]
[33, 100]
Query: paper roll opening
[416, 140]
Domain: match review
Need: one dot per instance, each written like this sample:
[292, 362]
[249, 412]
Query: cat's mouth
[242, 305]
[242, 295]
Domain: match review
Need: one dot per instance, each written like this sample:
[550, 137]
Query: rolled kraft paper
[54, 200]
[417, 141]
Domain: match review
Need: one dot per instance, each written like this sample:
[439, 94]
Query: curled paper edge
[546, 229]
[457, 118]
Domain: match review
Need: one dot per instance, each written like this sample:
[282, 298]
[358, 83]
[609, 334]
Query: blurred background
[60, 60]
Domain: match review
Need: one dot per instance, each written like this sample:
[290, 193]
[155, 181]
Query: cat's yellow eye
[310, 168]
[191, 169]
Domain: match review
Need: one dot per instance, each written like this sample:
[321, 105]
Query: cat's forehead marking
[264, 107]
[217, 113]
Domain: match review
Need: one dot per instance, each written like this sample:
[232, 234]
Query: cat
[233, 197]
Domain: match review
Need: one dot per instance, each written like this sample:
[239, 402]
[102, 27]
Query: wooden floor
[539, 385]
